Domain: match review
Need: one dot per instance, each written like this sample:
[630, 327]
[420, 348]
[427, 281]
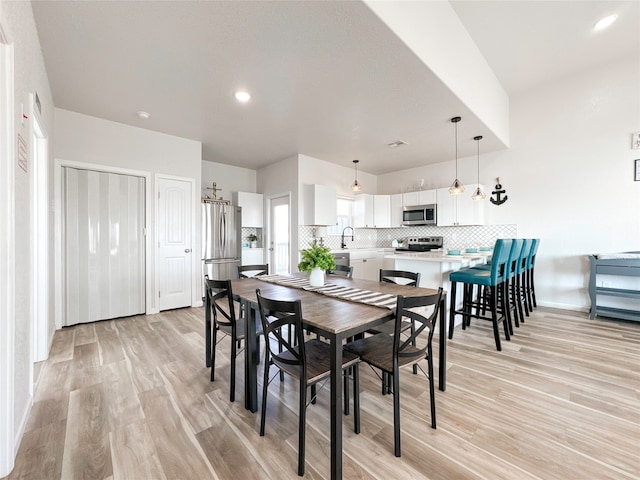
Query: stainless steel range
[421, 244]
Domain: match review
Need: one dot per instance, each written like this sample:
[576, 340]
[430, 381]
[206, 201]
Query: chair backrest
[403, 345]
[243, 270]
[278, 316]
[389, 276]
[499, 259]
[532, 253]
[524, 253]
[221, 301]
[342, 270]
[514, 256]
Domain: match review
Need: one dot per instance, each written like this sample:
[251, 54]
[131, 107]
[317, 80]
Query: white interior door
[280, 235]
[104, 245]
[175, 243]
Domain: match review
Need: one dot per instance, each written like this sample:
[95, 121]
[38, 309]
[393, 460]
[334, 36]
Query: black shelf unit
[626, 267]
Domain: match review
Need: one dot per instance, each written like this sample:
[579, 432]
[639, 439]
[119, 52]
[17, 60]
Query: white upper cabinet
[420, 197]
[396, 210]
[252, 208]
[320, 205]
[455, 210]
[382, 211]
[363, 211]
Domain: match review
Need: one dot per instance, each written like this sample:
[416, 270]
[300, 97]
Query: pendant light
[478, 194]
[456, 187]
[356, 186]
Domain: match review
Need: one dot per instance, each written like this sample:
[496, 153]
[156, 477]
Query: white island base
[434, 269]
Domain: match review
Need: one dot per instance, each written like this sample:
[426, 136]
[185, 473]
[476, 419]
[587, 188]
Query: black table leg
[207, 331]
[336, 408]
[250, 363]
[442, 354]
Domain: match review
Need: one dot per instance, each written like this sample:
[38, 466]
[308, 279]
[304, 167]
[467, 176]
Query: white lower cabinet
[367, 264]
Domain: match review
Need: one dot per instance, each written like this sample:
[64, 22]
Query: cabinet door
[320, 205]
[427, 197]
[445, 208]
[382, 211]
[470, 211]
[410, 199]
[252, 208]
[363, 211]
[396, 210]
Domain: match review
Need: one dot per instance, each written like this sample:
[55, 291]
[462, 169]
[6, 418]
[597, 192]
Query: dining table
[335, 319]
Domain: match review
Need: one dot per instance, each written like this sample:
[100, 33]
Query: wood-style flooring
[131, 399]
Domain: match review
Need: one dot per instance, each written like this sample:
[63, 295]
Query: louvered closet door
[103, 230]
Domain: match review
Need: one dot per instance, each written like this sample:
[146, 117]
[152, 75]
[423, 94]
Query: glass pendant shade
[456, 187]
[478, 194]
[355, 186]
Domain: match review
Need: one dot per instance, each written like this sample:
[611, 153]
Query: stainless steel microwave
[419, 215]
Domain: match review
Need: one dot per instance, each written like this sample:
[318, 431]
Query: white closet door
[104, 245]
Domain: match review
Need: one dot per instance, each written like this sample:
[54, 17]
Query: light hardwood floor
[131, 399]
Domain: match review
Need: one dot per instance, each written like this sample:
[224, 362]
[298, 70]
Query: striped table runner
[347, 293]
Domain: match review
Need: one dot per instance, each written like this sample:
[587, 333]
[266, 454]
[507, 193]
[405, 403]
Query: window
[345, 216]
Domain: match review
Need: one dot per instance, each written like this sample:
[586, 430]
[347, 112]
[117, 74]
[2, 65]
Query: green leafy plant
[316, 256]
[252, 237]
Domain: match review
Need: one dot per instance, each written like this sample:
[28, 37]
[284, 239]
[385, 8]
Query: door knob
[187, 250]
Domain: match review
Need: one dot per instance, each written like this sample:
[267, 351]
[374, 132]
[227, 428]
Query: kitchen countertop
[439, 256]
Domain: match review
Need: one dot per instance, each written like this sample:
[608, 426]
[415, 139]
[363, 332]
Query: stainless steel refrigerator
[221, 242]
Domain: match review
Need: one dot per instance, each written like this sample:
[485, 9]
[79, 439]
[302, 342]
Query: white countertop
[440, 257]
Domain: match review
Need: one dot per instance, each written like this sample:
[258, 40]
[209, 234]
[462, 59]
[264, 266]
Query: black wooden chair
[390, 352]
[248, 271]
[308, 361]
[341, 270]
[224, 320]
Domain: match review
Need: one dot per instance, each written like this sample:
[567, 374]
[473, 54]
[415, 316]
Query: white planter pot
[316, 277]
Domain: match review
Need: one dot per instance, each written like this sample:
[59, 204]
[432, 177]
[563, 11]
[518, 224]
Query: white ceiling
[328, 79]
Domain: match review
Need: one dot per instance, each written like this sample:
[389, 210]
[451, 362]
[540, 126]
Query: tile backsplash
[453, 237]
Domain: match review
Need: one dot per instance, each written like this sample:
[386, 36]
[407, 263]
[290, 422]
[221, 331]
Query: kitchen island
[435, 266]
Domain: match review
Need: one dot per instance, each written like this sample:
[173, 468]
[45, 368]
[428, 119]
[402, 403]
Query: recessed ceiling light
[143, 115]
[605, 22]
[242, 96]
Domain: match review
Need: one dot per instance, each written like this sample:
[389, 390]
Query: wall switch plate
[635, 140]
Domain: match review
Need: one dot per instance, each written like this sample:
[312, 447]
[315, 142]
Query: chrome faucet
[342, 244]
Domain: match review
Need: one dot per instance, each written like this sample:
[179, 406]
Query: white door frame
[38, 159]
[59, 261]
[270, 254]
[8, 443]
[196, 299]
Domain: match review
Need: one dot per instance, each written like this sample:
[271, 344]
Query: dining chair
[306, 360]
[388, 353]
[248, 271]
[224, 320]
[341, 270]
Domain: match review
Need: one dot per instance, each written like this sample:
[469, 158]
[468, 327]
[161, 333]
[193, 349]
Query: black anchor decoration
[498, 192]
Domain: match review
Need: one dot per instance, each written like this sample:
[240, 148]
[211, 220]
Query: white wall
[568, 176]
[228, 178]
[81, 138]
[320, 172]
[16, 19]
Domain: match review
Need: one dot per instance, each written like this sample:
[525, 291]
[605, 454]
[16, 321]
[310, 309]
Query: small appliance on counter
[421, 244]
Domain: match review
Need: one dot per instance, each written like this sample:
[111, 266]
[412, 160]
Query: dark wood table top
[330, 314]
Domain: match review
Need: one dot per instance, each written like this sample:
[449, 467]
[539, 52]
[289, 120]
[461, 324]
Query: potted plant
[317, 260]
[253, 238]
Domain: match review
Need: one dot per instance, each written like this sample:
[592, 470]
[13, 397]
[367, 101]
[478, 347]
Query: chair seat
[388, 327]
[318, 361]
[378, 351]
[475, 276]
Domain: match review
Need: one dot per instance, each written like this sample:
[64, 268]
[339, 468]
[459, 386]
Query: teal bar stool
[519, 291]
[493, 280]
[529, 274]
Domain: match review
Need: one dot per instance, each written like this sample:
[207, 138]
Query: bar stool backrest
[514, 255]
[499, 259]
[524, 253]
[532, 253]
